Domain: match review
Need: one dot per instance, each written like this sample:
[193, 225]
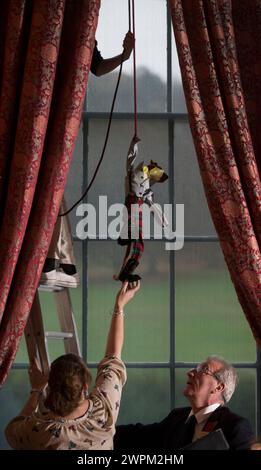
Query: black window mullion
[85, 246]
[172, 356]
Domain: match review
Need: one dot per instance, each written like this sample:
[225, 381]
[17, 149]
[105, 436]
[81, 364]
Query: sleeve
[111, 377]
[96, 59]
[16, 432]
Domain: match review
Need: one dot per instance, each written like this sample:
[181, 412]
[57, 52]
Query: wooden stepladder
[37, 338]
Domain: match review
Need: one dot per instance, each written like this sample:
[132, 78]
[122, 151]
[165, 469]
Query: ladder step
[58, 335]
[44, 288]
[36, 336]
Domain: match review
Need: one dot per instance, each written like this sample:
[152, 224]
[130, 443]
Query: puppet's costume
[138, 192]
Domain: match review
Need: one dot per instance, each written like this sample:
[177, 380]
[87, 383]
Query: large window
[187, 307]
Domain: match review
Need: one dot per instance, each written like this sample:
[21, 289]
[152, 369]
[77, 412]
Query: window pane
[209, 318]
[188, 185]
[151, 57]
[146, 396]
[147, 318]
[13, 396]
[245, 393]
[178, 98]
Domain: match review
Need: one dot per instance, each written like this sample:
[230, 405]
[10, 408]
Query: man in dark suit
[209, 387]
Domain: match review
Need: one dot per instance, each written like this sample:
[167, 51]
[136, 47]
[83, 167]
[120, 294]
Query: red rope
[134, 74]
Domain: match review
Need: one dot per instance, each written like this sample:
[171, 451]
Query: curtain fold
[45, 55]
[219, 49]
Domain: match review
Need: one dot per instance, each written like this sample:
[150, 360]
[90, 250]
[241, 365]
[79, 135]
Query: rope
[134, 75]
[112, 109]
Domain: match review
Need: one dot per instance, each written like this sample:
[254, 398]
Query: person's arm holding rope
[107, 65]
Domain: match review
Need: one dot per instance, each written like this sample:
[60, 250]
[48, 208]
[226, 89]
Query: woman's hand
[37, 378]
[125, 294]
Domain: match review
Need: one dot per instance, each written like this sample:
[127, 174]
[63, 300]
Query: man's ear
[220, 387]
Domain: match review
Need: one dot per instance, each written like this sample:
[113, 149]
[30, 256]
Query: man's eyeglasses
[204, 369]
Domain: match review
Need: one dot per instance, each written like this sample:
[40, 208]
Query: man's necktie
[189, 429]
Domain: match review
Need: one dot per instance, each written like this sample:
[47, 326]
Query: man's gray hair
[227, 375]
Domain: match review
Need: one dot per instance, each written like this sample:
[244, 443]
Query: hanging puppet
[138, 184]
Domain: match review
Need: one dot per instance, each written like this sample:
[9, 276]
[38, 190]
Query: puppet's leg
[125, 236]
[132, 261]
[126, 273]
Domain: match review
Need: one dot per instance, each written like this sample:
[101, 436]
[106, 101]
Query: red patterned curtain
[219, 48]
[45, 54]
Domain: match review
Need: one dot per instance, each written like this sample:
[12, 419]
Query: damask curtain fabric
[45, 54]
[219, 49]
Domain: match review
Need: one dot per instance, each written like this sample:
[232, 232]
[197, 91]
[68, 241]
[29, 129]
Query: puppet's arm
[157, 211]
[132, 154]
